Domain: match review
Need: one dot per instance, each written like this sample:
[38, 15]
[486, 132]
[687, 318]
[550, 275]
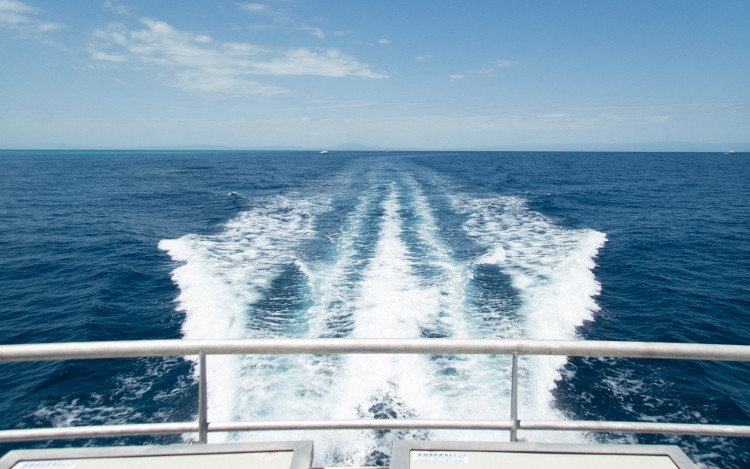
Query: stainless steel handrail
[578, 348]
[202, 348]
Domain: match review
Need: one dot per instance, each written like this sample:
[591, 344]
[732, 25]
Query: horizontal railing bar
[362, 424]
[112, 431]
[637, 427]
[581, 348]
[97, 431]
[402, 424]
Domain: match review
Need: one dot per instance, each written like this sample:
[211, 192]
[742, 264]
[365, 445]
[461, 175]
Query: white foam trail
[551, 268]
[300, 387]
[391, 303]
[381, 295]
[470, 387]
[296, 388]
[379, 286]
[389, 288]
[355, 294]
[453, 277]
[223, 275]
[332, 289]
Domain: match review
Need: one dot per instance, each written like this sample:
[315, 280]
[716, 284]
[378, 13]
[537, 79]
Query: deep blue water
[603, 246]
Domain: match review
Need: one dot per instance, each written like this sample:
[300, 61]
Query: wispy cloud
[280, 18]
[314, 31]
[384, 41]
[276, 16]
[422, 58]
[333, 103]
[659, 119]
[254, 7]
[198, 63]
[19, 16]
[119, 9]
[491, 68]
[45, 26]
[13, 13]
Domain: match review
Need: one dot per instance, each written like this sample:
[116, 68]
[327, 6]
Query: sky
[417, 74]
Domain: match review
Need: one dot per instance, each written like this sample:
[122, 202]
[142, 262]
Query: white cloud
[314, 31]
[339, 33]
[47, 26]
[17, 15]
[488, 69]
[422, 58]
[198, 63]
[14, 13]
[305, 119]
[253, 7]
[99, 55]
[119, 9]
[456, 76]
[659, 119]
[384, 41]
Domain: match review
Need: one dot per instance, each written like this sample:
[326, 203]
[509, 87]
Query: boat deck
[410, 454]
[485, 455]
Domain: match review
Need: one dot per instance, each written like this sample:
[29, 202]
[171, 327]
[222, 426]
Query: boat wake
[392, 269]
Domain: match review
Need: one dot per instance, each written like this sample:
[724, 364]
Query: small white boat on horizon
[730, 152]
[324, 152]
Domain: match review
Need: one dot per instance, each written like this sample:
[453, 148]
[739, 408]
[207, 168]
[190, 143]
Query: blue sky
[428, 74]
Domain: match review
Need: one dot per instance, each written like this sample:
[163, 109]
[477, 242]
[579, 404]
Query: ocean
[540, 245]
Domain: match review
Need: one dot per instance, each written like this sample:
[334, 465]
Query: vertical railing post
[514, 399]
[202, 400]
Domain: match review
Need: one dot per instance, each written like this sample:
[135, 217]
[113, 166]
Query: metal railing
[202, 348]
